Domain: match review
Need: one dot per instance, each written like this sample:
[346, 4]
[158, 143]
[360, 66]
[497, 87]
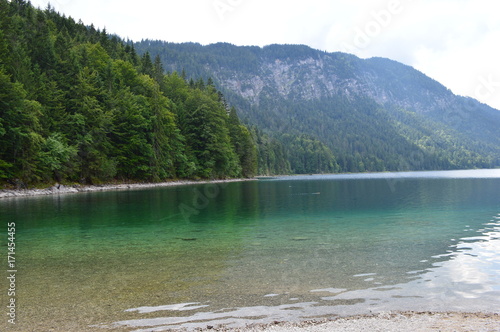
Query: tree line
[80, 105]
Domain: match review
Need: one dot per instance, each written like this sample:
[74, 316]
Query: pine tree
[147, 67]
[244, 145]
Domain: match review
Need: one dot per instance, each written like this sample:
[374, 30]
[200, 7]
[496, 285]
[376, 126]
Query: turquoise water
[277, 249]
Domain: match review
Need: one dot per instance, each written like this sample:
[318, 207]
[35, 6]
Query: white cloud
[452, 41]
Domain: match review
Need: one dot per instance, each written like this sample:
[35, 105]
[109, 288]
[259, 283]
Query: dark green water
[277, 249]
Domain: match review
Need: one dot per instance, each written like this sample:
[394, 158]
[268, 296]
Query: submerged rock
[300, 238]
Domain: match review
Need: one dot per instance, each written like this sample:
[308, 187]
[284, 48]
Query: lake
[284, 248]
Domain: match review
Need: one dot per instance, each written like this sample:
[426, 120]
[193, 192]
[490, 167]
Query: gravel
[58, 189]
[391, 321]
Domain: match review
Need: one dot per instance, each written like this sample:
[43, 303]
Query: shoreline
[77, 188]
[383, 321]
[58, 189]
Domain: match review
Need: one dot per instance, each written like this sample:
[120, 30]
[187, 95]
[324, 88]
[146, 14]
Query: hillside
[336, 112]
[78, 105]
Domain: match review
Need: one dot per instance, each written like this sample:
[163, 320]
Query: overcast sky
[456, 42]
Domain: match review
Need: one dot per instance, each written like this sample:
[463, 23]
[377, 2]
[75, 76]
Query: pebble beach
[390, 321]
[72, 189]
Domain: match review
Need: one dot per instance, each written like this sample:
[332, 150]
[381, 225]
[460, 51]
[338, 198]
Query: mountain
[337, 112]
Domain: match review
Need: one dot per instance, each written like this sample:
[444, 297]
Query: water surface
[278, 249]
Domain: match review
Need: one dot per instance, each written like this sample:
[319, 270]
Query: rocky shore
[57, 189]
[389, 321]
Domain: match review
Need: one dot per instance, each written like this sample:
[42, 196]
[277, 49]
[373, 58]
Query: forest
[78, 105]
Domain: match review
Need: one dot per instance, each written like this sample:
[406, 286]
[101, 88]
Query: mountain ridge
[345, 102]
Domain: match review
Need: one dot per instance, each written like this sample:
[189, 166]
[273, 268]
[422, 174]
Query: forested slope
[79, 105]
[334, 111]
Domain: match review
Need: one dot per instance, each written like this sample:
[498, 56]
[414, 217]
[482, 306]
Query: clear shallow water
[278, 249]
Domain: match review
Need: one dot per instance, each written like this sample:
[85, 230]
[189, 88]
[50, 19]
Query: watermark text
[11, 272]
[380, 20]
[487, 87]
[223, 7]
[201, 199]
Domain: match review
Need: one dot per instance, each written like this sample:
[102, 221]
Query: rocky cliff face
[318, 77]
[304, 79]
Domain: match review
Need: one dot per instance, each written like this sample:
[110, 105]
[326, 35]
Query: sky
[456, 42]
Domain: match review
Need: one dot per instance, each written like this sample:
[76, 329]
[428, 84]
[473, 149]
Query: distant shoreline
[68, 189]
[58, 189]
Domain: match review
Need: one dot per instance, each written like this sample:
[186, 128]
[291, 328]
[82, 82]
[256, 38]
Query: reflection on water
[468, 280]
[281, 249]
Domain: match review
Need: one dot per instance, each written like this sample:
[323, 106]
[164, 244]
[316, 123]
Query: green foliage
[272, 157]
[20, 139]
[77, 104]
[206, 132]
[56, 156]
[244, 145]
[309, 155]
